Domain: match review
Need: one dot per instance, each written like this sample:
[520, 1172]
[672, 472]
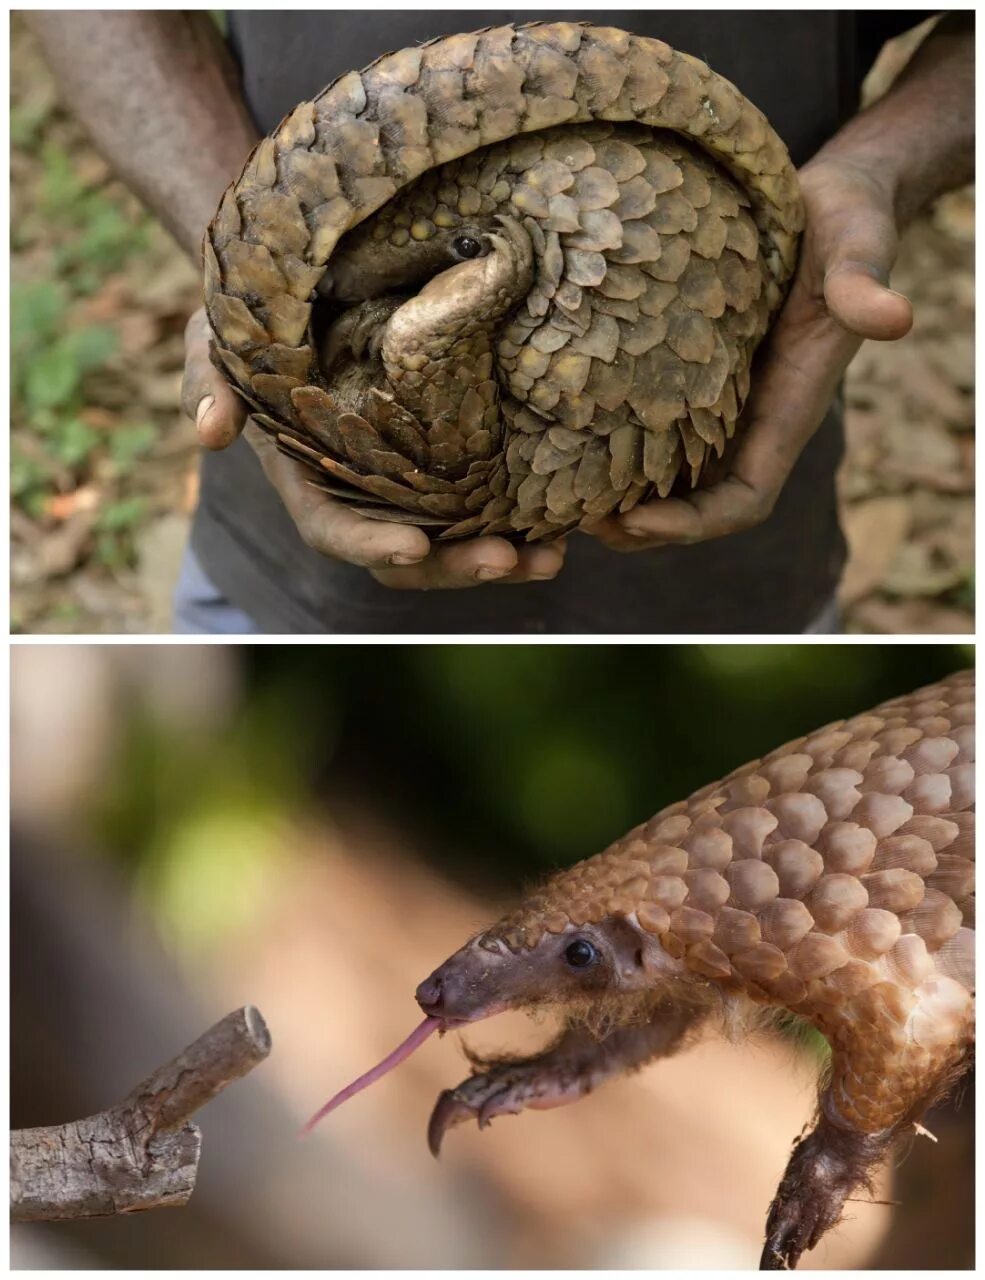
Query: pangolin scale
[506, 282]
[833, 879]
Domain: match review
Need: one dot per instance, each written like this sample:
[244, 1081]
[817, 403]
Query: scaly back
[335, 161]
[839, 864]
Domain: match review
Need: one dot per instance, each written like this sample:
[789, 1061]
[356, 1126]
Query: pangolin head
[394, 249]
[440, 283]
[589, 940]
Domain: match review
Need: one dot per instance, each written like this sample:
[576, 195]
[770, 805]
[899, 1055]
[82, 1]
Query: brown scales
[639, 222]
[834, 878]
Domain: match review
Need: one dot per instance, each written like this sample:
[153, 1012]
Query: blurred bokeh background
[104, 466]
[312, 829]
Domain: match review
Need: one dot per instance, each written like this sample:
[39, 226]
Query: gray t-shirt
[803, 69]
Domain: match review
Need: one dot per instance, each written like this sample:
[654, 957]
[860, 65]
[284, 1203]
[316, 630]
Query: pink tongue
[413, 1041]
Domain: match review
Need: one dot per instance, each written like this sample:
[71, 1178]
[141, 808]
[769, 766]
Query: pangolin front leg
[573, 1066]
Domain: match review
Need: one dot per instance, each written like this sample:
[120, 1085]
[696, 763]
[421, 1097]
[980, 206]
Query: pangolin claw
[484, 1097]
[448, 1111]
[791, 1229]
[772, 1259]
[506, 1091]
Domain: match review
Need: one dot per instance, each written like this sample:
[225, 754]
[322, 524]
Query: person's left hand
[400, 556]
[839, 296]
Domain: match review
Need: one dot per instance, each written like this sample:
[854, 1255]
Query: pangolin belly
[507, 282]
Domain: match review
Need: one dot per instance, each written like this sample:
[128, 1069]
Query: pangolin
[506, 282]
[833, 879]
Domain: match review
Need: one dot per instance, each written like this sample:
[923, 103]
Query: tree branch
[142, 1154]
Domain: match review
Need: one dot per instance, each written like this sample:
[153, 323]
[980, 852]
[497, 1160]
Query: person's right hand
[397, 555]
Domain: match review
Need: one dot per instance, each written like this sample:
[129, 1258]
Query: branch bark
[143, 1153]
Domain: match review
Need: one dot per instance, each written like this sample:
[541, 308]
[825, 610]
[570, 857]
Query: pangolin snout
[446, 994]
[428, 995]
[464, 988]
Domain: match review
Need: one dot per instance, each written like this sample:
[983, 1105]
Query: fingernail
[635, 531]
[487, 573]
[403, 558]
[204, 405]
[541, 577]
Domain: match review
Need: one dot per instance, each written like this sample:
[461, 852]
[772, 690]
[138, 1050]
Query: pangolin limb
[833, 879]
[505, 282]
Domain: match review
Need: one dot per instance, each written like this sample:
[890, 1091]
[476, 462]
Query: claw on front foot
[506, 1090]
[454, 1107]
[448, 1111]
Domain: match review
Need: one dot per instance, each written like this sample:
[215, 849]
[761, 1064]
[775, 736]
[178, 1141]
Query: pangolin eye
[580, 954]
[467, 246]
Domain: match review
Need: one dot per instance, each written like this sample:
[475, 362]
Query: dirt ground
[104, 466]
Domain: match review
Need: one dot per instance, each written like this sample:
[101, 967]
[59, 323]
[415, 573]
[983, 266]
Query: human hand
[398, 555]
[839, 296]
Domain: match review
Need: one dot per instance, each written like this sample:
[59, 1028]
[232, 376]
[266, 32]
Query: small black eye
[467, 246]
[580, 954]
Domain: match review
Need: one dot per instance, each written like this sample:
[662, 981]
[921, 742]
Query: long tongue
[413, 1041]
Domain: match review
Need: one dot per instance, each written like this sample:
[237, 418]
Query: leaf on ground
[875, 530]
[62, 506]
[920, 569]
[62, 549]
[910, 617]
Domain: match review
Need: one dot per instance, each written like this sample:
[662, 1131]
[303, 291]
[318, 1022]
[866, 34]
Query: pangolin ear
[656, 962]
[637, 952]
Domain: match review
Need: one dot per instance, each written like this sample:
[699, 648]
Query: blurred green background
[501, 761]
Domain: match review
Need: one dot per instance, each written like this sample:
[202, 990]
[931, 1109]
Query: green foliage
[50, 361]
[61, 188]
[36, 310]
[964, 595]
[74, 441]
[201, 819]
[27, 473]
[98, 237]
[54, 375]
[116, 528]
[50, 364]
[105, 240]
[127, 444]
[27, 120]
[117, 517]
[56, 350]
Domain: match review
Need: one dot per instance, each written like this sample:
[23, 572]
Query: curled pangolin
[505, 282]
[833, 879]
